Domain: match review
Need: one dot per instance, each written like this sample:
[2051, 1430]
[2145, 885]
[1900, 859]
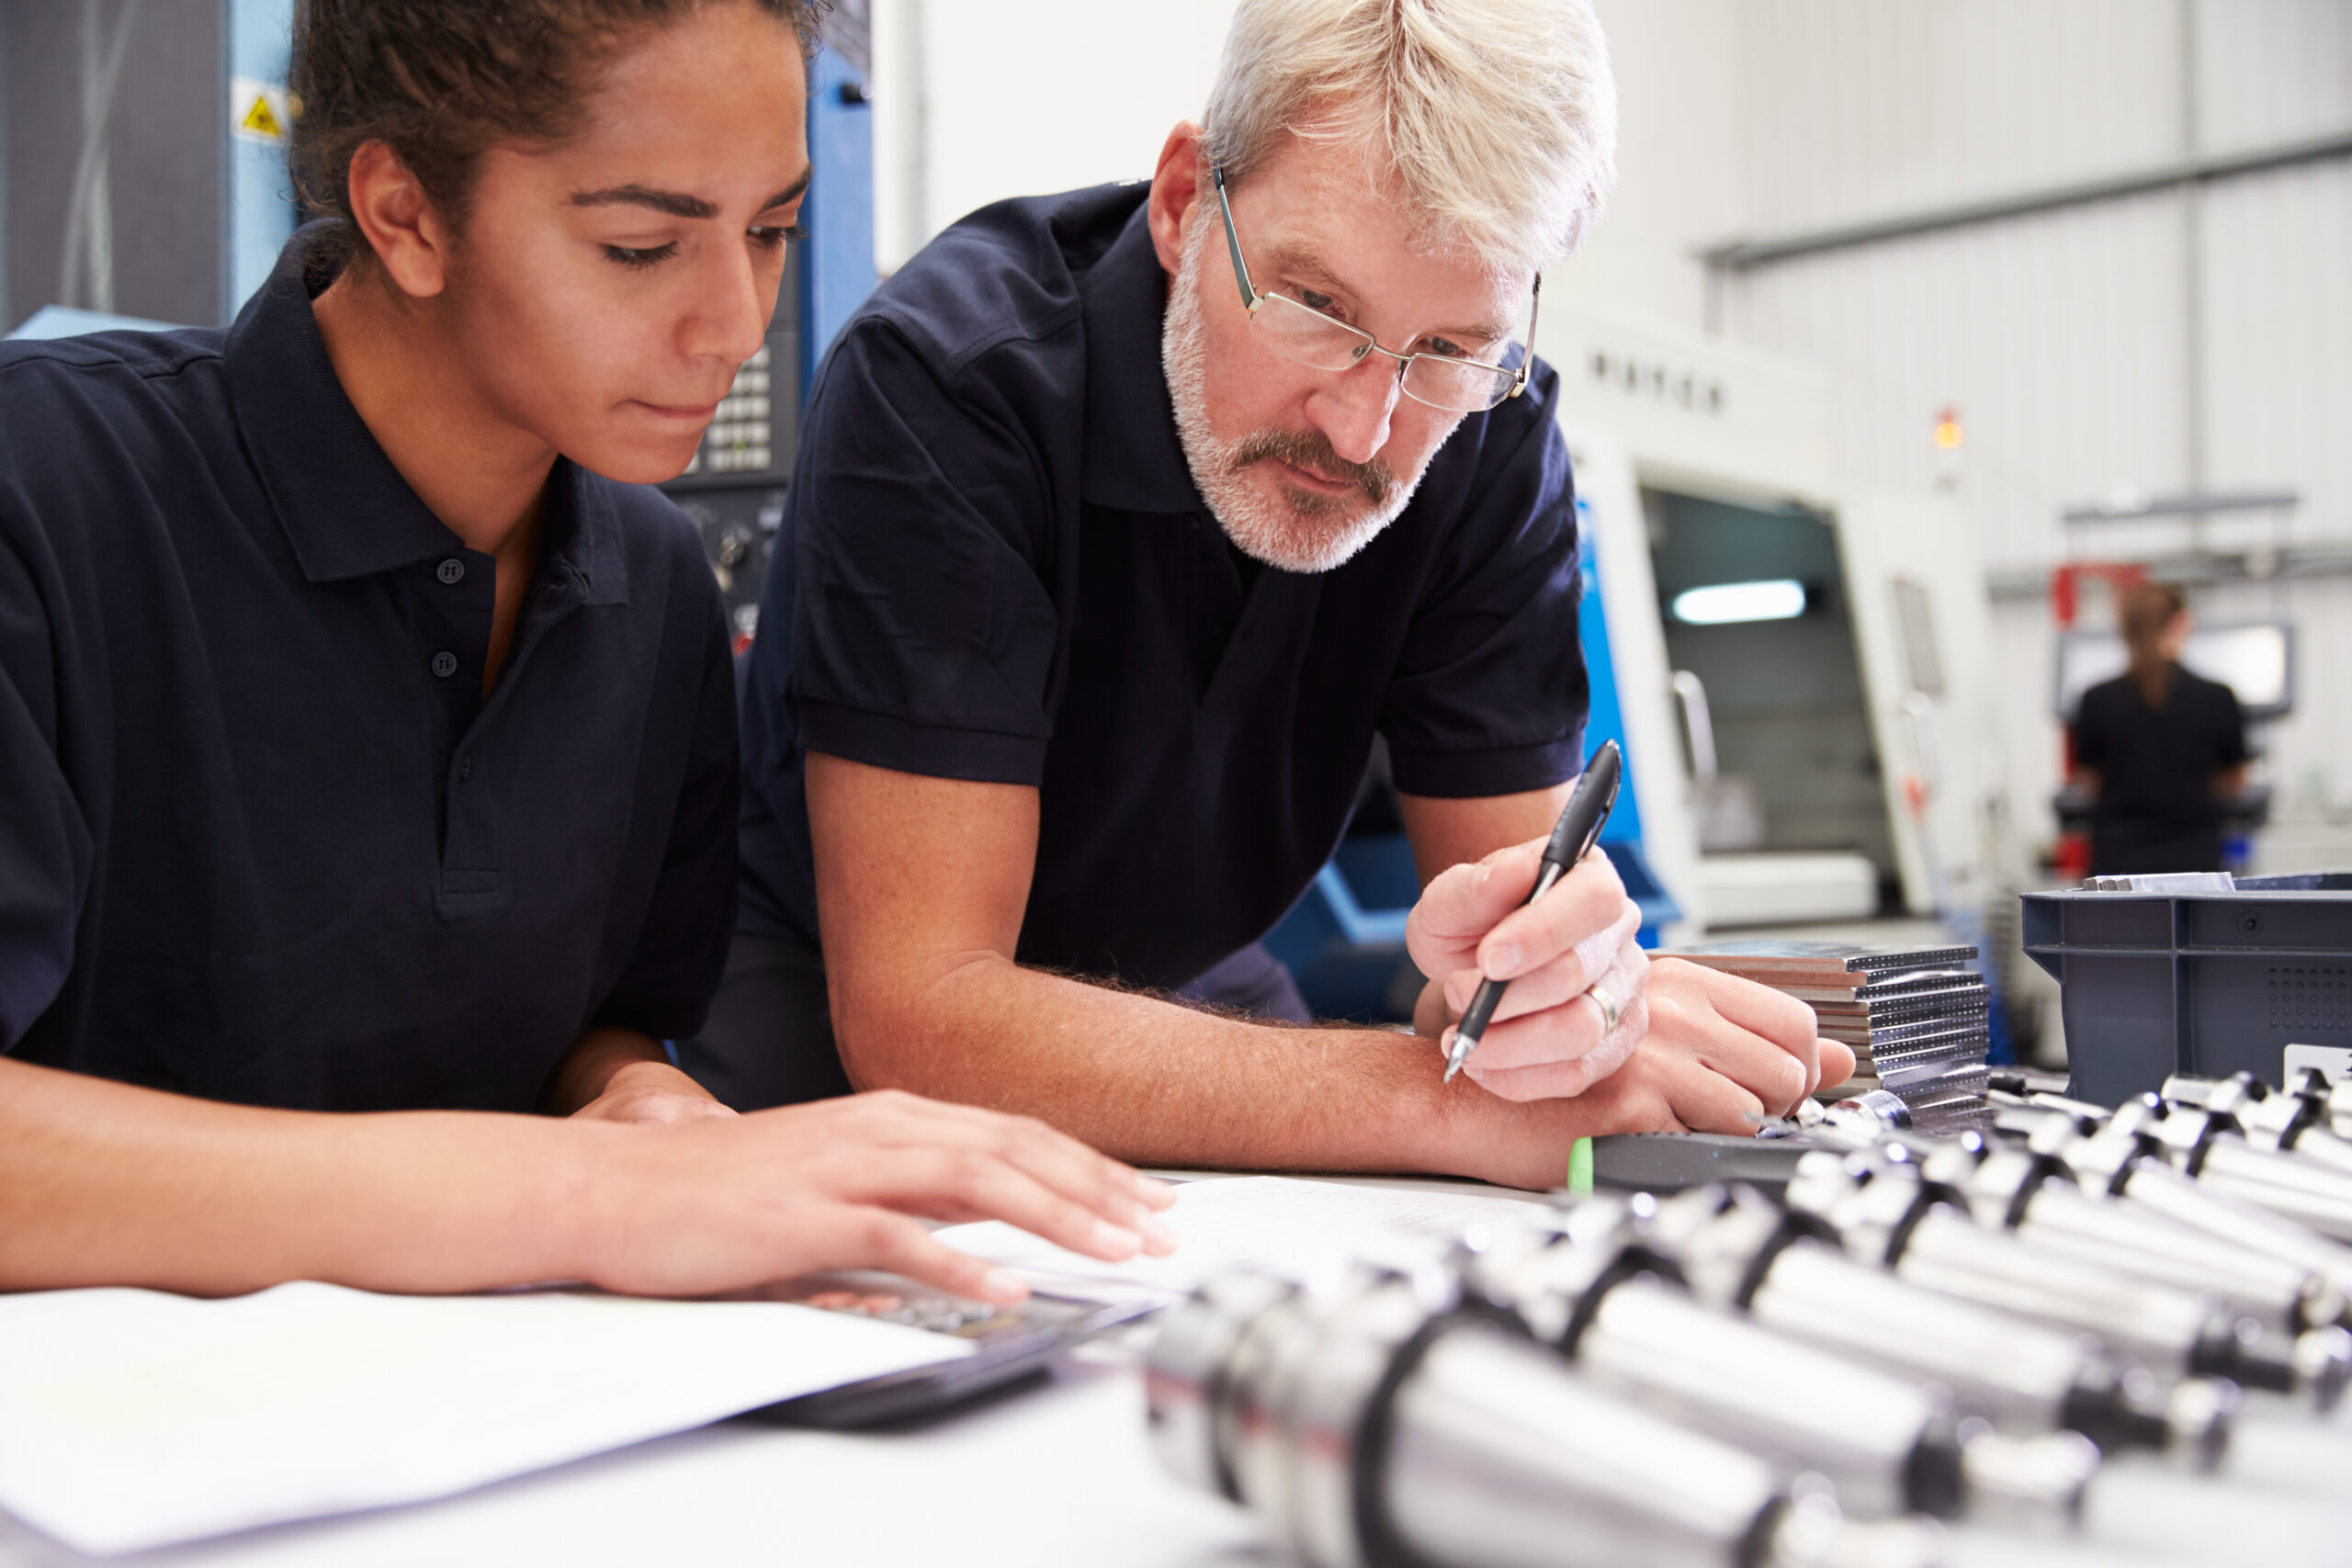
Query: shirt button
[450, 570]
[445, 664]
[464, 767]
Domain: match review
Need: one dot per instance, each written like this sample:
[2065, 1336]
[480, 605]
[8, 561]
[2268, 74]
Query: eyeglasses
[1305, 335]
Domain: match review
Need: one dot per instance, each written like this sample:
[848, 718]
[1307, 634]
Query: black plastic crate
[2213, 983]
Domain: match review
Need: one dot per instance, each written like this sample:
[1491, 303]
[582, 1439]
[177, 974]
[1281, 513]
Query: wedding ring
[1609, 1012]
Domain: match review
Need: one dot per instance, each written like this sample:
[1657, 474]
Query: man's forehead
[1386, 266]
[1323, 201]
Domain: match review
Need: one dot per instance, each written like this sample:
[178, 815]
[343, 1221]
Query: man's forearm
[1156, 1083]
[104, 1182]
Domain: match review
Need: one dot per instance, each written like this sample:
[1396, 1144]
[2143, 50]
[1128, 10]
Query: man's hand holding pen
[1688, 1048]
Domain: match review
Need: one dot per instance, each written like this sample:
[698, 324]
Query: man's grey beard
[1294, 530]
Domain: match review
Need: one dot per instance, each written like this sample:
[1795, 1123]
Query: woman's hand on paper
[725, 1204]
[1549, 1037]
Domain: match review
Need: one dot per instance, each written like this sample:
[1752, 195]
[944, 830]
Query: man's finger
[1587, 906]
[1758, 1007]
[1775, 1078]
[1555, 1034]
[1837, 1064]
[1706, 1102]
[1461, 903]
[1558, 1079]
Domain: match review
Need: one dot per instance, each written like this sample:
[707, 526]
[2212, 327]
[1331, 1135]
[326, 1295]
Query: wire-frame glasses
[1305, 335]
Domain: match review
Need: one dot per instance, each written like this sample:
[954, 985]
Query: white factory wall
[1018, 97]
[2064, 339]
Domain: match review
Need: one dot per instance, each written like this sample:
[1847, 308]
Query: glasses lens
[1307, 337]
[1465, 385]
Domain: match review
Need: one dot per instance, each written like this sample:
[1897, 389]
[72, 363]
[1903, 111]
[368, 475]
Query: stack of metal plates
[1915, 1019]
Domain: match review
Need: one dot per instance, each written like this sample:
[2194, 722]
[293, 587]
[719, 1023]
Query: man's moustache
[1314, 453]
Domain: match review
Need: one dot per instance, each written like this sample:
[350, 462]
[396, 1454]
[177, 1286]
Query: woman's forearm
[104, 1183]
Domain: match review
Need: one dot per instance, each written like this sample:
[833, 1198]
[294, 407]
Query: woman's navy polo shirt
[261, 838]
[1000, 569]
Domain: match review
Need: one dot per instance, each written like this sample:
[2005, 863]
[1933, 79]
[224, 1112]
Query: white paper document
[134, 1418]
[1300, 1228]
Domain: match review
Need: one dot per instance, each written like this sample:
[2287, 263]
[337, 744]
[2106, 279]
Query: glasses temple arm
[1527, 360]
[1233, 243]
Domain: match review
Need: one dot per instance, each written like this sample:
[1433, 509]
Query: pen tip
[1451, 1068]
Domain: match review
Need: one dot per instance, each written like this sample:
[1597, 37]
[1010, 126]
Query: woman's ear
[399, 221]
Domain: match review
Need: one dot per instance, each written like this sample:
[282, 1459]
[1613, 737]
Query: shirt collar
[1133, 458]
[345, 509]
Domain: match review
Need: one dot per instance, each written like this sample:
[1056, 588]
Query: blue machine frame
[1345, 936]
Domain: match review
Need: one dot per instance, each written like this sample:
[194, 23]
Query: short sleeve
[1490, 692]
[922, 631]
[2229, 728]
[45, 842]
[2090, 730]
[682, 946]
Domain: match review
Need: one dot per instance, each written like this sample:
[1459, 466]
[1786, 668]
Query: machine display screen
[2253, 659]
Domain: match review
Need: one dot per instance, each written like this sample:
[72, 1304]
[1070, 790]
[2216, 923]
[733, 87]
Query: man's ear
[400, 221]
[1179, 185]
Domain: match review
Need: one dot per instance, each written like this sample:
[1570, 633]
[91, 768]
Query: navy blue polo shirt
[261, 838]
[999, 569]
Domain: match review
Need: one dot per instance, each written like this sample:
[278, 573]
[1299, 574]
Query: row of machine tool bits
[1921, 1330]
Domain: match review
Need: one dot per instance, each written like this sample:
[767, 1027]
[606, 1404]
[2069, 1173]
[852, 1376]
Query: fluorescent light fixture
[1723, 603]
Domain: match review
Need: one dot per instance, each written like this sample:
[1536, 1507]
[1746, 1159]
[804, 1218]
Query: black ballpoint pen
[1572, 839]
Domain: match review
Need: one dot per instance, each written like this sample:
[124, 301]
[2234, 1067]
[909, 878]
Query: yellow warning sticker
[259, 111]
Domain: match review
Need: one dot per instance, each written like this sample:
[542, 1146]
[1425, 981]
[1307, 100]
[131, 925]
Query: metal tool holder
[1612, 1304]
[1786, 1271]
[1956, 1326]
[1377, 1426]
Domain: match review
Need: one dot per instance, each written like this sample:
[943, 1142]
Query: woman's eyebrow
[670, 203]
[678, 203]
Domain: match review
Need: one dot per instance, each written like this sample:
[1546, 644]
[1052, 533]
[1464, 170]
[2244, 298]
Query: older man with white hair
[1125, 520]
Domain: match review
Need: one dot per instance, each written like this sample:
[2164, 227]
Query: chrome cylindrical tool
[2035, 1197]
[1892, 1444]
[1886, 1213]
[2119, 1161]
[1368, 1431]
[1739, 1249]
[2210, 1146]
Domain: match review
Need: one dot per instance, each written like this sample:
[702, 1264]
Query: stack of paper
[1916, 1021]
[131, 1418]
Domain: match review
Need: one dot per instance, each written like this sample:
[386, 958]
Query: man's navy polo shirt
[261, 838]
[999, 569]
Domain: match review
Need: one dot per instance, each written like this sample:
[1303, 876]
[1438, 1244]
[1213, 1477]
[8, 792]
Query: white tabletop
[1061, 1476]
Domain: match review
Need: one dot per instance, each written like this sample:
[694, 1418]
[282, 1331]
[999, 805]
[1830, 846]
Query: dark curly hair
[441, 81]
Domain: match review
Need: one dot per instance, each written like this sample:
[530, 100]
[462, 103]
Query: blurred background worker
[2159, 749]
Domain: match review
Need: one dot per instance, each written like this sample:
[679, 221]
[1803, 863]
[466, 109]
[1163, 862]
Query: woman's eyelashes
[654, 256]
[766, 236]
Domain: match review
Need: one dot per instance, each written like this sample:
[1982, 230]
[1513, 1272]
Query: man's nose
[1352, 407]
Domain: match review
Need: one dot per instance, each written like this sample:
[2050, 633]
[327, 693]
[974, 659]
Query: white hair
[1497, 120]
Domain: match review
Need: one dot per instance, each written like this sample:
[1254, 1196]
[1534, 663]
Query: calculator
[1010, 1344]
